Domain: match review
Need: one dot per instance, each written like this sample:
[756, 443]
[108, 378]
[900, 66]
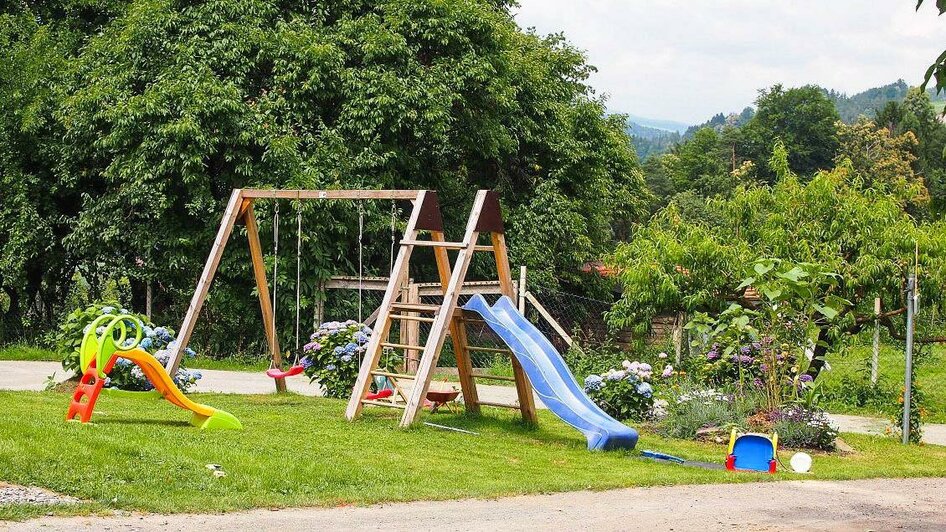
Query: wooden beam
[548, 317]
[255, 193]
[262, 288]
[206, 277]
[523, 386]
[444, 320]
[458, 336]
[373, 351]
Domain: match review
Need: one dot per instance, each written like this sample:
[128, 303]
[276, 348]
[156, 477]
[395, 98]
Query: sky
[687, 60]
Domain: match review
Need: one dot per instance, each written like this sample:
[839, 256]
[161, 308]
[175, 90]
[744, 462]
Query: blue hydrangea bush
[125, 375]
[334, 354]
[626, 393]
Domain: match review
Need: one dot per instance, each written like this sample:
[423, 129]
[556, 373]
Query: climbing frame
[445, 318]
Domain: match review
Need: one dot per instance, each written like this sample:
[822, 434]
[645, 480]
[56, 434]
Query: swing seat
[382, 394]
[277, 373]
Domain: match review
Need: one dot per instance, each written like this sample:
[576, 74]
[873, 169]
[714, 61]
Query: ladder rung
[500, 405]
[411, 318]
[383, 403]
[435, 244]
[493, 377]
[393, 375]
[488, 349]
[416, 307]
[484, 248]
[402, 346]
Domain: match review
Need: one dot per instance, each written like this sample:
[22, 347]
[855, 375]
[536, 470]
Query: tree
[880, 159]
[832, 224]
[697, 165]
[802, 119]
[916, 116]
[133, 120]
[937, 71]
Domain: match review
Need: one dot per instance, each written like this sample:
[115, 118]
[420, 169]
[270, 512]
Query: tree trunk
[821, 349]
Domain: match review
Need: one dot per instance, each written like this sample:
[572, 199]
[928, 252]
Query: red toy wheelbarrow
[438, 398]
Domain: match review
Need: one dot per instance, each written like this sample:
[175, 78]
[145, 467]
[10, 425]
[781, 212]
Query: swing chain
[275, 267]
[298, 274]
[361, 279]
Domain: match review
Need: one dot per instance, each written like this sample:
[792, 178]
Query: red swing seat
[277, 373]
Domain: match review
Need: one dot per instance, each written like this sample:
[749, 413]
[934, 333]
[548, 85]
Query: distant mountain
[657, 123]
[649, 140]
[868, 102]
[656, 136]
[719, 121]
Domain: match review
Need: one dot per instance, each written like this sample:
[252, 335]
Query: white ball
[801, 462]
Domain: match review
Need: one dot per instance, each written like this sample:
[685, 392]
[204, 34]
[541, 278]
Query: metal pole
[908, 373]
[876, 355]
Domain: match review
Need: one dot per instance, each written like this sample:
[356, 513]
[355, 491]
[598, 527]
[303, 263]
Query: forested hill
[652, 140]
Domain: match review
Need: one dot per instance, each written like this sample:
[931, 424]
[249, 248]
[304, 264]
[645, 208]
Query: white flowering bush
[625, 393]
[334, 354]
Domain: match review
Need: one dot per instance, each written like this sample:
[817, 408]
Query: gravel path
[913, 504]
[32, 376]
[11, 494]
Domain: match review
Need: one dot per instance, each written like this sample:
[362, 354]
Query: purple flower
[312, 346]
[757, 382]
[806, 378]
[764, 367]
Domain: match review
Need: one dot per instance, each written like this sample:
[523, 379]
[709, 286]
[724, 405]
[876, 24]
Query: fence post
[678, 336]
[876, 354]
[908, 373]
[522, 290]
[148, 300]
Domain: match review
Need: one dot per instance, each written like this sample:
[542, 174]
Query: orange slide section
[162, 382]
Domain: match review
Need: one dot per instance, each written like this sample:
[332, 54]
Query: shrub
[802, 427]
[334, 354]
[856, 390]
[695, 409]
[125, 375]
[593, 359]
[625, 393]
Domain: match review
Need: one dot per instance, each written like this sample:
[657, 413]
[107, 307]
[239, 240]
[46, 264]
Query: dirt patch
[13, 494]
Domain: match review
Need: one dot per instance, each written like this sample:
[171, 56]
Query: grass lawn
[140, 454]
[25, 352]
[930, 378]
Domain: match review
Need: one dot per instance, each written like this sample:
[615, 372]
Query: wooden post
[234, 210]
[522, 290]
[262, 288]
[523, 386]
[412, 328]
[678, 336]
[458, 338]
[148, 300]
[373, 352]
[875, 357]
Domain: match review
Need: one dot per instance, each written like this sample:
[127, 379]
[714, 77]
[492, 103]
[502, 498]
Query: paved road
[33, 375]
[883, 504]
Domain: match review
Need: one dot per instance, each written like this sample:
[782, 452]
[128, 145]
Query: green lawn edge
[298, 451]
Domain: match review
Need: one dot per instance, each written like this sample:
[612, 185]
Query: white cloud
[687, 60]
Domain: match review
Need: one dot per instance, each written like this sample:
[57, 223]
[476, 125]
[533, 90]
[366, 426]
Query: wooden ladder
[485, 217]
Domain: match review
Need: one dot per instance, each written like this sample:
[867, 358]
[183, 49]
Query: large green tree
[803, 119]
[133, 120]
[835, 222]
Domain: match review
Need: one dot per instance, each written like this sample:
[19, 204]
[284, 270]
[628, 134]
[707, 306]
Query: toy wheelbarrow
[438, 398]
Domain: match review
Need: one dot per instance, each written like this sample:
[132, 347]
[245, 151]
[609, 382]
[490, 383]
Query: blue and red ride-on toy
[751, 452]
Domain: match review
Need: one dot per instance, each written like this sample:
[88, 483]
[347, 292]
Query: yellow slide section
[205, 417]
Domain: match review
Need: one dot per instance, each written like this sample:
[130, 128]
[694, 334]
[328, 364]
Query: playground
[417, 266]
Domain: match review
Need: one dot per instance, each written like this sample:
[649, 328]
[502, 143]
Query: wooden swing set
[445, 318]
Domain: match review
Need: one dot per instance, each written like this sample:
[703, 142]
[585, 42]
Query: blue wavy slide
[550, 377]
